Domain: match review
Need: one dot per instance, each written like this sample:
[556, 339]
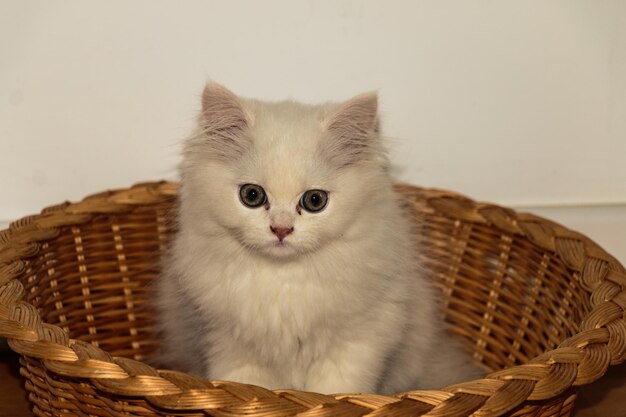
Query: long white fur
[343, 306]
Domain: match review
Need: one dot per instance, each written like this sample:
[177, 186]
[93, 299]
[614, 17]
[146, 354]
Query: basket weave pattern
[539, 304]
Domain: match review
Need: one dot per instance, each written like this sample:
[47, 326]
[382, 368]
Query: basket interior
[94, 280]
[508, 298]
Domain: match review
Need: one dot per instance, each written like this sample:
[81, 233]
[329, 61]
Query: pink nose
[281, 232]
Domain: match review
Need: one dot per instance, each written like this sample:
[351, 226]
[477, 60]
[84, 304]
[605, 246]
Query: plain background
[522, 103]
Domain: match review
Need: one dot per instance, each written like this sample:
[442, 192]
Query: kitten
[294, 265]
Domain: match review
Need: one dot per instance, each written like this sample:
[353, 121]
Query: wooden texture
[540, 305]
[606, 397]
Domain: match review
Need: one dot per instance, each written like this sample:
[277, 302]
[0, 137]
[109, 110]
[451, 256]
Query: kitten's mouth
[281, 249]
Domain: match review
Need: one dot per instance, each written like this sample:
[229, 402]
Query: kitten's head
[284, 178]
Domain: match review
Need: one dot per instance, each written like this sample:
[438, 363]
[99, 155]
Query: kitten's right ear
[221, 109]
[224, 120]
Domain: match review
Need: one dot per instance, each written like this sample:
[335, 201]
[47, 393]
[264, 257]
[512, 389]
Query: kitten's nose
[281, 232]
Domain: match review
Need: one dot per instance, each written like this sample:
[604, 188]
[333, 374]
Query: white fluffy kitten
[319, 293]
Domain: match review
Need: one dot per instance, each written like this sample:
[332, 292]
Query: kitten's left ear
[359, 115]
[352, 126]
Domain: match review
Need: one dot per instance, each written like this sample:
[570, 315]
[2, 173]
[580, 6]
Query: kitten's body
[341, 306]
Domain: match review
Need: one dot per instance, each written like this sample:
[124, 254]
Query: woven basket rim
[578, 360]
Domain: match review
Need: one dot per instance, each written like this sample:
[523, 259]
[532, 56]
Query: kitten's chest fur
[275, 299]
[297, 307]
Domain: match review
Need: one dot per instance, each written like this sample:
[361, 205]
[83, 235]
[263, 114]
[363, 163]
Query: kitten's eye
[314, 200]
[252, 195]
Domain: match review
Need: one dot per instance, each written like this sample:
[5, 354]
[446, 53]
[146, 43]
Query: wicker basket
[539, 304]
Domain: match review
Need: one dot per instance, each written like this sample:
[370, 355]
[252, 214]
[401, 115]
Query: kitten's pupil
[315, 199]
[252, 195]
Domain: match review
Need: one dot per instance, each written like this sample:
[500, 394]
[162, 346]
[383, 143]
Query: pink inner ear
[352, 128]
[222, 109]
[224, 123]
[357, 116]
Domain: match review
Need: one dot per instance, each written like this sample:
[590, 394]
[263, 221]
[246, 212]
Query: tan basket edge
[578, 360]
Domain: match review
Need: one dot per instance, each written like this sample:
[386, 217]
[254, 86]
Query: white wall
[518, 102]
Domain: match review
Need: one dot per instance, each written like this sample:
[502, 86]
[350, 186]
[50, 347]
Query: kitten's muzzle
[281, 232]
